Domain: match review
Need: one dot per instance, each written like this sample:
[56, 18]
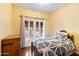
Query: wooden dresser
[11, 46]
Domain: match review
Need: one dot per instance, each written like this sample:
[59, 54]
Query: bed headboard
[70, 36]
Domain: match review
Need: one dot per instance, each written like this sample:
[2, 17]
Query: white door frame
[23, 28]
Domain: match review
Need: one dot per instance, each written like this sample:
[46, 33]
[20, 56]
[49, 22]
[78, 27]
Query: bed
[59, 44]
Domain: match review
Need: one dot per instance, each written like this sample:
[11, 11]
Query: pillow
[61, 35]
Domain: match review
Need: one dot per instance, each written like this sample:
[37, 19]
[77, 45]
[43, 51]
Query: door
[29, 30]
[32, 27]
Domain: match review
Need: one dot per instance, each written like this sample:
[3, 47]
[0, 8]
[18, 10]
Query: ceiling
[41, 7]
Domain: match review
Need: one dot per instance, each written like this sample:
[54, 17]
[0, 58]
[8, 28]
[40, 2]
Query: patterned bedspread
[56, 45]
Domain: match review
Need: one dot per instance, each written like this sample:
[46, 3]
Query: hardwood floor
[25, 51]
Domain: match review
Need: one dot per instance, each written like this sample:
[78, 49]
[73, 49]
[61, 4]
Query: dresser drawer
[11, 46]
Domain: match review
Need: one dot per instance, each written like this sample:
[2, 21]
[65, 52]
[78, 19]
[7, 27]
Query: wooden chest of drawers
[11, 46]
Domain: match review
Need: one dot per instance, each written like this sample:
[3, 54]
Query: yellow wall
[66, 18]
[50, 25]
[25, 12]
[5, 20]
